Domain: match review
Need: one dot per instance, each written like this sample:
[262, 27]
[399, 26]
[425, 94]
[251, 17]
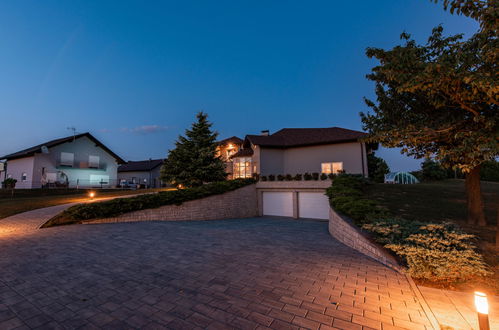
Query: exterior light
[91, 195]
[180, 186]
[231, 146]
[482, 308]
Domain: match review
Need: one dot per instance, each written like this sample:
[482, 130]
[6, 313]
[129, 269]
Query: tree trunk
[476, 215]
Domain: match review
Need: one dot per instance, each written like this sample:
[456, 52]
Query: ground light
[91, 195]
[482, 308]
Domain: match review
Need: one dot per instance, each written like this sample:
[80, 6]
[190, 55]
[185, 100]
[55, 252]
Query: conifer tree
[193, 162]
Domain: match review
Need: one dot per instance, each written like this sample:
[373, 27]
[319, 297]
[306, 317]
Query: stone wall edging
[239, 203]
[341, 228]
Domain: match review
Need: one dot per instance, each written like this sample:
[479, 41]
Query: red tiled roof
[296, 137]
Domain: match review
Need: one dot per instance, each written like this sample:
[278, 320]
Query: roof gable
[50, 144]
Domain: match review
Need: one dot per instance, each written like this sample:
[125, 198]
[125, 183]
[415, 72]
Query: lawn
[29, 200]
[446, 201]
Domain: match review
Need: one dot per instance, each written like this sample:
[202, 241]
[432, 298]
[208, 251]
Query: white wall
[17, 167]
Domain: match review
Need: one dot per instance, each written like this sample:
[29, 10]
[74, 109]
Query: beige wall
[16, 167]
[309, 159]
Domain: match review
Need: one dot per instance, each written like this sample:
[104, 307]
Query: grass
[27, 202]
[446, 201]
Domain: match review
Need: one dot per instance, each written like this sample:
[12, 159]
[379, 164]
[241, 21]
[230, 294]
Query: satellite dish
[45, 150]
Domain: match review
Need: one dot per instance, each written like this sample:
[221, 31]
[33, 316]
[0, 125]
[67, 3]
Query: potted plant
[9, 183]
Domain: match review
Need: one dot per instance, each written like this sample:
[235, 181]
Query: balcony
[82, 166]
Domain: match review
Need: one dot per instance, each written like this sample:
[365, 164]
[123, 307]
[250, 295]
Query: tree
[432, 171]
[441, 99]
[193, 162]
[376, 167]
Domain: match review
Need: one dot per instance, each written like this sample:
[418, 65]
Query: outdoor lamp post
[91, 195]
[482, 308]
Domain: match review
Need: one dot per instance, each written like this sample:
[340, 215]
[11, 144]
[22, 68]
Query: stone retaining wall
[240, 203]
[344, 231]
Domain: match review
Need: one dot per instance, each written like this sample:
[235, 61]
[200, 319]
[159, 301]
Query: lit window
[93, 161]
[242, 167]
[67, 158]
[24, 177]
[334, 167]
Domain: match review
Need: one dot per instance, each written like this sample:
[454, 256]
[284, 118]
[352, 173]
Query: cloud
[145, 129]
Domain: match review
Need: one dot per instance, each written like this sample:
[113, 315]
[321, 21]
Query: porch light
[482, 308]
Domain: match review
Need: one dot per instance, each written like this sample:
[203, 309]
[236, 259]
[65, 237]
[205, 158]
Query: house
[144, 172]
[74, 161]
[226, 148]
[301, 150]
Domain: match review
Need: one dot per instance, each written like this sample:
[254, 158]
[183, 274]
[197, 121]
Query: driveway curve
[242, 273]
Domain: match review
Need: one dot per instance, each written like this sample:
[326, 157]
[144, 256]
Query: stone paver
[244, 273]
[456, 309]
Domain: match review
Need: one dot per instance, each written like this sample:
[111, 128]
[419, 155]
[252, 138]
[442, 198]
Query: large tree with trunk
[440, 99]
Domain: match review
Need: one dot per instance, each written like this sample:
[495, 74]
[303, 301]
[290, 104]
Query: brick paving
[255, 273]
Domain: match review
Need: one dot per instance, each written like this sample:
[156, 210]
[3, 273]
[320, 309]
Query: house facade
[75, 161]
[226, 148]
[301, 150]
[145, 172]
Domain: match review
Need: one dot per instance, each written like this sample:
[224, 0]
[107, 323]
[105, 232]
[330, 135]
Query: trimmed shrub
[307, 176]
[298, 177]
[315, 176]
[280, 177]
[289, 177]
[323, 176]
[271, 177]
[331, 176]
[115, 207]
[263, 178]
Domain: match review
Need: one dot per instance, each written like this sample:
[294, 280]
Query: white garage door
[313, 205]
[278, 203]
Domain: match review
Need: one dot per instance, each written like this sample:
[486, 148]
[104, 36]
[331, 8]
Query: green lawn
[445, 201]
[26, 201]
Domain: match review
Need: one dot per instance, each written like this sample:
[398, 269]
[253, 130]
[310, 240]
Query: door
[278, 203]
[313, 205]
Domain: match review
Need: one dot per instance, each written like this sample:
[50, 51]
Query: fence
[84, 184]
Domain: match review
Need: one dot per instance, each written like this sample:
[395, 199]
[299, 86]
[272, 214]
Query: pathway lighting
[482, 308]
[91, 195]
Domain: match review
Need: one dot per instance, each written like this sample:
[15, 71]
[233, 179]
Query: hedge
[435, 252]
[118, 206]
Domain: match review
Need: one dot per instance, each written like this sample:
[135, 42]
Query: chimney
[265, 132]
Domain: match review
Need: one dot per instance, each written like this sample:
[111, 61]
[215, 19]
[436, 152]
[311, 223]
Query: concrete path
[456, 310]
[254, 273]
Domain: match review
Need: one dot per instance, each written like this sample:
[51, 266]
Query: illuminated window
[93, 161]
[334, 167]
[67, 158]
[242, 167]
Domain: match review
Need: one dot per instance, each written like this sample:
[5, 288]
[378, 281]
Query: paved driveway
[246, 273]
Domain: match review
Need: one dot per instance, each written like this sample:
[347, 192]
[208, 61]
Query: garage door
[278, 203]
[313, 205]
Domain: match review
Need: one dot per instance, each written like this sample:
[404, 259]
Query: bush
[331, 176]
[441, 253]
[323, 176]
[315, 176]
[263, 178]
[280, 177]
[271, 177]
[9, 183]
[289, 177]
[115, 207]
[490, 171]
[307, 176]
[298, 177]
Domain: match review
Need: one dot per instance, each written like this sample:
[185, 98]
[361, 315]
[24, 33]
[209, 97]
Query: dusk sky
[134, 73]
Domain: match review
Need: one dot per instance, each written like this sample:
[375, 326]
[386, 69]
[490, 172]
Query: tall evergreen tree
[194, 161]
[377, 168]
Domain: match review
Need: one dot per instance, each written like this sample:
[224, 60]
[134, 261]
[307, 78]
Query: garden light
[482, 308]
[91, 195]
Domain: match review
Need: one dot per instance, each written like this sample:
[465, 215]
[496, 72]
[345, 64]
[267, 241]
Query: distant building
[144, 172]
[74, 161]
[226, 149]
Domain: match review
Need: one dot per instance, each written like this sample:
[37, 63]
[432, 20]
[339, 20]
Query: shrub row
[115, 207]
[297, 177]
[435, 252]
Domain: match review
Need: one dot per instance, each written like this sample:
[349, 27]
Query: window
[334, 167]
[67, 158]
[242, 167]
[24, 177]
[93, 161]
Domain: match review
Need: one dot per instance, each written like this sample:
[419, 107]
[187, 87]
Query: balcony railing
[82, 165]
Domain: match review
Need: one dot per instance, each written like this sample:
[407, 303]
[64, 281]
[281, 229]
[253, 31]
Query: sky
[135, 73]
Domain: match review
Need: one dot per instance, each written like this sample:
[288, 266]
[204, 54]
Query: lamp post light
[482, 308]
[91, 195]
